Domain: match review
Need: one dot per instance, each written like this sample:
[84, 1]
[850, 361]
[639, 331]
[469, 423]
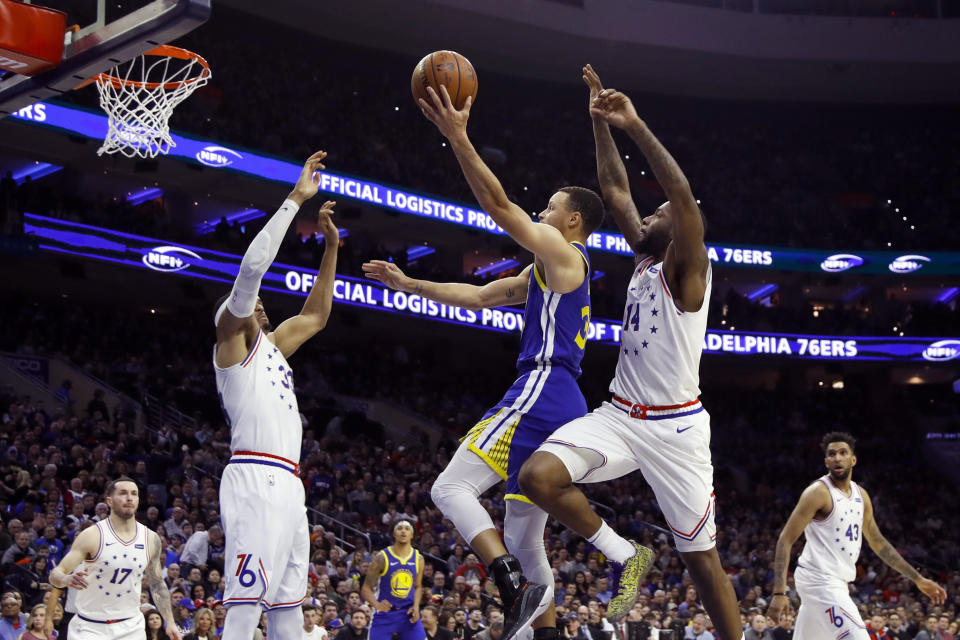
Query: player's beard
[652, 244]
[843, 476]
[125, 514]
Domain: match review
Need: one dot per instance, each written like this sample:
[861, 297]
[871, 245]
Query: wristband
[779, 593]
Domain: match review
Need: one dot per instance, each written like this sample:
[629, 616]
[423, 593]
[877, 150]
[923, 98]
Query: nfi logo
[942, 350]
[214, 156]
[169, 258]
[841, 262]
[907, 264]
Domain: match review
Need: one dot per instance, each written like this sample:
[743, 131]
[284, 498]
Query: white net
[140, 99]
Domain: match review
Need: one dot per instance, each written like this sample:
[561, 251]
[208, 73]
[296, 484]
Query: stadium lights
[415, 253]
[499, 267]
[948, 295]
[239, 217]
[762, 292]
[34, 171]
[142, 196]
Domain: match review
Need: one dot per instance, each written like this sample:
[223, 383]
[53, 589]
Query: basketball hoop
[140, 100]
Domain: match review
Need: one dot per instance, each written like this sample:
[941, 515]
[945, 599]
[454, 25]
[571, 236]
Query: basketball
[447, 68]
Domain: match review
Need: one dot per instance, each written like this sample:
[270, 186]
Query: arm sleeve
[258, 258]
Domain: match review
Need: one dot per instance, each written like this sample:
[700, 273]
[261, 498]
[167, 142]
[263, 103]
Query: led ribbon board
[213, 154]
[141, 252]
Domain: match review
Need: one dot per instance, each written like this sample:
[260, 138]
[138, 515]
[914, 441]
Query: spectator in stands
[472, 571]
[758, 629]
[493, 632]
[697, 629]
[35, 625]
[19, 550]
[201, 547]
[154, 625]
[311, 629]
[13, 622]
[929, 631]
[357, 629]
[204, 627]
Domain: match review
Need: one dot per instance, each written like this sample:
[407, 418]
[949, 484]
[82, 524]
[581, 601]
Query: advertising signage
[141, 252]
[218, 156]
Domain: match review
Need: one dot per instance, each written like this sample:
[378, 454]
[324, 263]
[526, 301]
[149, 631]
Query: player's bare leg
[715, 588]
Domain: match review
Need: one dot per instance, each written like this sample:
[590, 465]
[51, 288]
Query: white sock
[612, 545]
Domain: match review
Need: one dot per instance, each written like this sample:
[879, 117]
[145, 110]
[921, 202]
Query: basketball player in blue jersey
[654, 421]
[261, 496]
[556, 290]
[835, 514]
[106, 565]
[398, 572]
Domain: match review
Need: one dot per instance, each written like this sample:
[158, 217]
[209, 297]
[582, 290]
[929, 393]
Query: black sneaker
[523, 609]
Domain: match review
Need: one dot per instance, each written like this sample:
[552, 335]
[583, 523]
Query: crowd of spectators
[56, 461]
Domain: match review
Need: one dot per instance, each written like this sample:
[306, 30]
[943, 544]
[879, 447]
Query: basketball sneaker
[521, 610]
[626, 579]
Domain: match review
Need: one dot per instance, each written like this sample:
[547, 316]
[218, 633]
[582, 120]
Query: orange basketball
[447, 68]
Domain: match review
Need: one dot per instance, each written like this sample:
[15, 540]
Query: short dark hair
[589, 204]
[112, 485]
[309, 607]
[432, 609]
[838, 436]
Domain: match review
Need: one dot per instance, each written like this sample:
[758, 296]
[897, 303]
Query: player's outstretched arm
[66, 573]
[232, 320]
[611, 172]
[882, 547]
[542, 240]
[506, 291]
[374, 571]
[815, 498]
[686, 262]
[294, 331]
[153, 578]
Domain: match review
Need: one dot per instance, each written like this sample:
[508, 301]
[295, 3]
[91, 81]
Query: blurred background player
[834, 514]
[654, 421]
[107, 564]
[398, 572]
[556, 290]
[261, 496]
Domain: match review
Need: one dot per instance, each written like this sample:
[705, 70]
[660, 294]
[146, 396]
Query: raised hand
[441, 112]
[329, 230]
[614, 107]
[387, 273]
[306, 186]
[592, 80]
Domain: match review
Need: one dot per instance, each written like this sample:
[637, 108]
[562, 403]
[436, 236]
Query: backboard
[109, 32]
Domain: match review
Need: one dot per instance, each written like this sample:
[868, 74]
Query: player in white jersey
[106, 566]
[654, 421]
[835, 514]
[261, 495]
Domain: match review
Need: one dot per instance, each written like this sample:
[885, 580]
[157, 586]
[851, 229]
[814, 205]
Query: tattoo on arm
[890, 555]
[158, 588]
[510, 293]
[780, 562]
[664, 167]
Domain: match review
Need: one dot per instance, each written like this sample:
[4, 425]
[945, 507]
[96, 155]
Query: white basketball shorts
[267, 536]
[826, 610]
[670, 447]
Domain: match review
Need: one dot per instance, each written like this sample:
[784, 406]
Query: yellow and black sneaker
[625, 580]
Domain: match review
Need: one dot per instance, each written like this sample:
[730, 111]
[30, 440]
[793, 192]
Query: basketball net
[140, 99]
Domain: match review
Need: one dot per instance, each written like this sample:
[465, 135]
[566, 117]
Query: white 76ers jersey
[660, 344]
[114, 575]
[833, 544]
[260, 405]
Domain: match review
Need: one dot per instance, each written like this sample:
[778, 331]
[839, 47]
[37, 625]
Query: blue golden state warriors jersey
[555, 325]
[398, 579]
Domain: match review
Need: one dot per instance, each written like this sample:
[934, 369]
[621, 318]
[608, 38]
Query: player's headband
[402, 523]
